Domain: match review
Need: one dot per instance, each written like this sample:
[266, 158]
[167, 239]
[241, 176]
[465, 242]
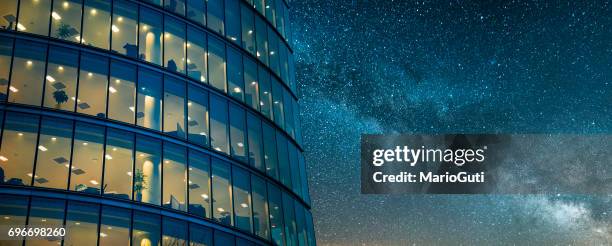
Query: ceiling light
[237, 90]
[108, 157]
[93, 11]
[66, 4]
[115, 28]
[29, 63]
[120, 19]
[112, 89]
[93, 182]
[55, 16]
[60, 68]
[205, 196]
[42, 148]
[20, 27]
[221, 210]
[53, 138]
[13, 89]
[132, 108]
[85, 143]
[20, 134]
[51, 79]
[2, 158]
[244, 205]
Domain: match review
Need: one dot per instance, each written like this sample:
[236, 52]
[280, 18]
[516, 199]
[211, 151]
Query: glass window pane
[310, 229]
[260, 6]
[199, 235]
[303, 178]
[283, 159]
[147, 176]
[295, 169]
[224, 239]
[215, 15]
[262, 39]
[270, 11]
[289, 216]
[277, 97]
[288, 107]
[197, 115]
[66, 20]
[61, 79]
[87, 154]
[232, 20]
[265, 93]
[260, 207]
[175, 232]
[53, 160]
[6, 52]
[176, 6]
[196, 11]
[93, 82]
[34, 16]
[251, 89]
[115, 226]
[18, 148]
[199, 184]
[255, 142]
[147, 229]
[243, 242]
[196, 50]
[28, 73]
[234, 74]
[8, 9]
[280, 14]
[270, 157]
[150, 36]
[175, 175]
[122, 92]
[156, 2]
[218, 124]
[276, 214]
[125, 28]
[149, 99]
[284, 62]
[46, 213]
[300, 222]
[81, 223]
[222, 190]
[174, 107]
[97, 23]
[174, 49]
[273, 51]
[248, 29]
[118, 164]
[216, 63]
[296, 122]
[237, 132]
[13, 210]
[242, 199]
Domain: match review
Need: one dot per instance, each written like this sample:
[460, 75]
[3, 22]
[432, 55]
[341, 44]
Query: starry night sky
[449, 67]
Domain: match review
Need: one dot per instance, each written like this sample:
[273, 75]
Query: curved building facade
[160, 122]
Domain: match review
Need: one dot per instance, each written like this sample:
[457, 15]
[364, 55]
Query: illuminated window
[87, 158]
[199, 235]
[219, 139]
[265, 93]
[97, 23]
[273, 51]
[174, 107]
[34, 16]
[288, 107]
[149, 101]
[148, 170]
[256, 155]
[224, 239]
[196, 11]
[238, 142]
[146, 229]
[289, 216]
[61, 78]
[150, 36]
[124, 28]
[122, 92]
[6, 51]
[242, 199]
[295, 169]
[119, 161]
[197, 57]
[176, 6]
[271, 11]
[270, 157]
[278, 103]
[216, 64]
[46, 213]
[174, 45]
[251, 85]
[197, 115]
[8, 9]
[81, 223]
[93, 84]
[18, 147]
[275, 208]
[261, 38]
[199, 184]
[248, 29]
[115, 226]
[232, 20]
[13, 210]
[53, 160]
[222, 190]
[235, 78]
[300, 222]
[175, 172]
[283, 159]
[175, 232]
[66, 20]
[216, 15]
[260, 207]
[28, 73]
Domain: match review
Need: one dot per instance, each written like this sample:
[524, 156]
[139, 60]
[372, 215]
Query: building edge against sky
[160, 122]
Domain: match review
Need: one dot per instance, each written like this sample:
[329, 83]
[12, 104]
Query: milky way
[449, 67]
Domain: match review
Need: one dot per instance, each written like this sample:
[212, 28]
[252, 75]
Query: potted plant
[60, 97]
[140, 184]
[63, 31]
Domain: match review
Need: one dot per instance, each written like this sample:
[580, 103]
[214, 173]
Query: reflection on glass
[242, 199]
[28, 73]
[248, 29]
[232, 20]
[265, 93]
[53, 160]
[223, 239]
[46, 213]
[115, 226]
[34, 16]
[304, 178]
[146, 229]
[261, 38]
[18, 148]
[150, 36]
[13, 210]
[295, 169]
[93, 82]
[199, 184]
[280, 13]
[273, 51]
[277, 98]
[61, 79]
[199, 235]
[270, 157]
[175, 232]
[197, 115]
[283, 159]
[122, 92]
[255, 142]
[148, 170]
[218, 124]
[251, 86]
[260, 207]
[271, 11]
[288, 107]
[174, 107]
[176, 6]
[174, 45]
[276, 215]
[215, 15]
[216, 63]
[66, 20]
[6, 51]
[125, 28]
[300, 222]
[197, 57]
[289, 216]
[149, 99]
[119, 161]
[284, 63]
[310, 229]
[81, 223]
[235, 81]
[96, 23]
[196, 11]
[175, 172]
[237, 132]
[9, 9]
[222, 190]
[87, 154]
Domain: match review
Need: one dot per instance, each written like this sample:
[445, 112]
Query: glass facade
[181, 112]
